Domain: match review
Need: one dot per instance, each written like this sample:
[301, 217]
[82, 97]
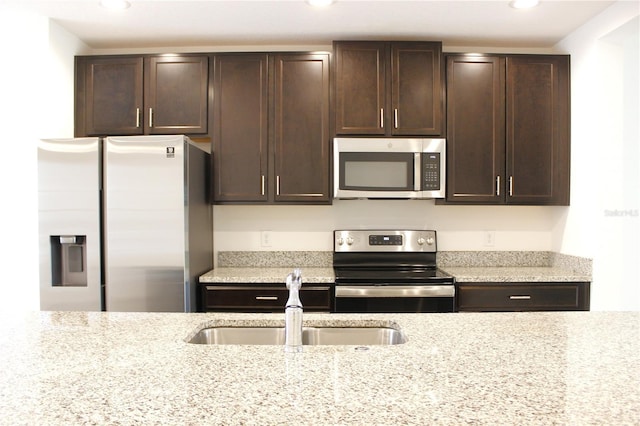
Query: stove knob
[349, 240]
[421, 241]
[430, 241]
[340, 241]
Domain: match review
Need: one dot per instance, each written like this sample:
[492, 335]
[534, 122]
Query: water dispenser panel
[69, 260]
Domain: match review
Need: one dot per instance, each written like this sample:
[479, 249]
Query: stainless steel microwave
[389, 168]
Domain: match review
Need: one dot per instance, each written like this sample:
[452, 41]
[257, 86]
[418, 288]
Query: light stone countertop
[526, 368]
[461, 273]
[266, 275]
[515, 274]
[466, 266]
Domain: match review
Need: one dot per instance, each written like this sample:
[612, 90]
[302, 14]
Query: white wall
[458, 227]
[36, 83]
[603, 221]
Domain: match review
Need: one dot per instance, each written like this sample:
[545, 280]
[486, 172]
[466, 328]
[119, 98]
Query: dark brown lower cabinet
[261, 298]
[509, 297]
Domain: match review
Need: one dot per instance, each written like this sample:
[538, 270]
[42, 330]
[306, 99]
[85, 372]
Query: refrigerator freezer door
[144, 219]
[69, 224]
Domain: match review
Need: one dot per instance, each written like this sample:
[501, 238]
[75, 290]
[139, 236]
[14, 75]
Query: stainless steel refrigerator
[125, 223]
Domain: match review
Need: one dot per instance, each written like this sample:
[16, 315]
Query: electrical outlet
[489, 238]
[266, 238]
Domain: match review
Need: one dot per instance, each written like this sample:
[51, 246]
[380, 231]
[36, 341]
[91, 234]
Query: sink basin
[362, 336]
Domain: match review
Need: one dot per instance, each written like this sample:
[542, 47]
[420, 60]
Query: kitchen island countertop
[463, 368]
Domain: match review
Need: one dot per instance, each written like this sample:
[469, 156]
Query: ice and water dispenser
[69, 260]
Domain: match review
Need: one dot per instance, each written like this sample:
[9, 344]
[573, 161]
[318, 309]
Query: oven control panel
[384, 240]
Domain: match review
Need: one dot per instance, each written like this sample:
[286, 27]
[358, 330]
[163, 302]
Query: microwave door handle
[417, 175]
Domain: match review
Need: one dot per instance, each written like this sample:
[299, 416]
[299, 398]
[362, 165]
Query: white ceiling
[170, 23]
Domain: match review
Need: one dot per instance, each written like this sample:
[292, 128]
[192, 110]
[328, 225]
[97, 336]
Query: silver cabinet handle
[395, 118]
[262, 184]
[382, 118]
[137, 117]
[498, 185]
[523, 297]
[150, 117]
[266, 297]
[510, 186]
[277, 185]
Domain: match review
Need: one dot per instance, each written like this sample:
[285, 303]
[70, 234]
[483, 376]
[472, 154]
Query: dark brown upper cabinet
[135, 95]
[271, 128]
[109, 95]
[176, 94]
[508, 129]
[300, 114]
[240, 133]
[389, 88]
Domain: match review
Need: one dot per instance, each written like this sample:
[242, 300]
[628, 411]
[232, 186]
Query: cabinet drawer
[523, 297]
[264, 298]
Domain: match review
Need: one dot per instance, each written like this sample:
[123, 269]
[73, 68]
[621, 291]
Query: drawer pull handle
[266, 297]
[527, 297]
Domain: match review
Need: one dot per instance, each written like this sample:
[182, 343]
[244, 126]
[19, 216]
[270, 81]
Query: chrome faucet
[293, 313]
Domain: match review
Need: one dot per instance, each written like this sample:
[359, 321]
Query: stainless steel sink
[361, 336]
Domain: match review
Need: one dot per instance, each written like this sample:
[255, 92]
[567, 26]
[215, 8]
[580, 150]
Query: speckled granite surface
[467, 266]
[275, 259]
[536, 368]
[493, 258]
[515, 266]
[266, 275]
[516, 274]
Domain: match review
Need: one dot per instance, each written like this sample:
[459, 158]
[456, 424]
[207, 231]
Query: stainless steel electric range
[389, 271]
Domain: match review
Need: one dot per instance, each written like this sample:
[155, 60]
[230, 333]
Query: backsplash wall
[300, 228]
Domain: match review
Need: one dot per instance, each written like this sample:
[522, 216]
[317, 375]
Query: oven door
[394, 298]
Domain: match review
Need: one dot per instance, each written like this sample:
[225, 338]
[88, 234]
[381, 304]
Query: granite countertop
[266, 275]
[62, 368]
[317, 267]
[515, 274]
[461, 273]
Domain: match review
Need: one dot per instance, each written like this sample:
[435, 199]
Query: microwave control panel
[430, 171]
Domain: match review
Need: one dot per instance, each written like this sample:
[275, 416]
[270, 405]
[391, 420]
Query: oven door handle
[395, 291]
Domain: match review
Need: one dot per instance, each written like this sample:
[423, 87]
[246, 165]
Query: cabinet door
[261, 298]
[240, 128]
[360, 87]
[113, 95]
[475, 129]
[176, 94]
[558, 296]
[301, 128]
[416, 89]
[538, 129]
